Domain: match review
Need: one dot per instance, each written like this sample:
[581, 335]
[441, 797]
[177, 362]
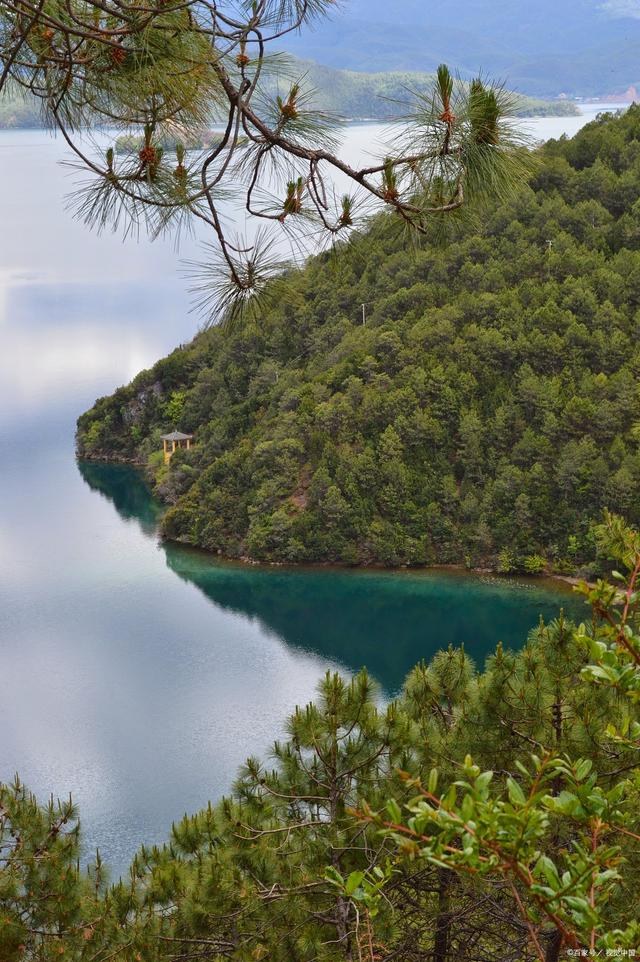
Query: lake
[136, 675]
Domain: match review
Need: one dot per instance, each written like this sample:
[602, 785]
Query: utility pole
[364, 316]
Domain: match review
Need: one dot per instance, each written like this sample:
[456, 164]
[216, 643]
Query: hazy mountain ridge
[575, 46]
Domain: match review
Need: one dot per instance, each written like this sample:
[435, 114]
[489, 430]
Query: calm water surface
[139, 676]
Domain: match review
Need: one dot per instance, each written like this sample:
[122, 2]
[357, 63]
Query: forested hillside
[486, 411]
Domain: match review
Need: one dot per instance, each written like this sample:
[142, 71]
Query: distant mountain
[17, 111]
[548, 47]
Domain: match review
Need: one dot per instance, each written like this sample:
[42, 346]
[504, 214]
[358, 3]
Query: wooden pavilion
[171, 442]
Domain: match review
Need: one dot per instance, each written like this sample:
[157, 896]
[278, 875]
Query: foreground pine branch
[176, 66]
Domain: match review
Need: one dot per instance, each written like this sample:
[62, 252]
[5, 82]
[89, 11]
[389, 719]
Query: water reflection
[386, 621]
[126, 489]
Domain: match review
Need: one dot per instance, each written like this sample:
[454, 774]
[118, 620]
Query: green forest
[485, 413]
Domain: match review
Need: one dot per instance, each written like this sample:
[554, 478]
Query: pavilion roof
[176, 436]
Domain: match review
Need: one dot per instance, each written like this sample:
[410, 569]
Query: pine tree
[372, 834]
[545, 834]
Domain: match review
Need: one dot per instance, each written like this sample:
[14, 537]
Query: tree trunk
[443, 919]
[554, 945]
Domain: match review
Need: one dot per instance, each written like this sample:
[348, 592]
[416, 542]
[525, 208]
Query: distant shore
[18, 114]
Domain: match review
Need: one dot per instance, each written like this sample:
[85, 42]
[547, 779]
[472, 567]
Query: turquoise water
[136, 675]
[382, 620]
[139, 675]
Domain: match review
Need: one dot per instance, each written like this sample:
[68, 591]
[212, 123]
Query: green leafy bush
[534, 564]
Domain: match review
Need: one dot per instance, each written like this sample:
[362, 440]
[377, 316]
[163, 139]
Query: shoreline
[355, 121]
[568, 582]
